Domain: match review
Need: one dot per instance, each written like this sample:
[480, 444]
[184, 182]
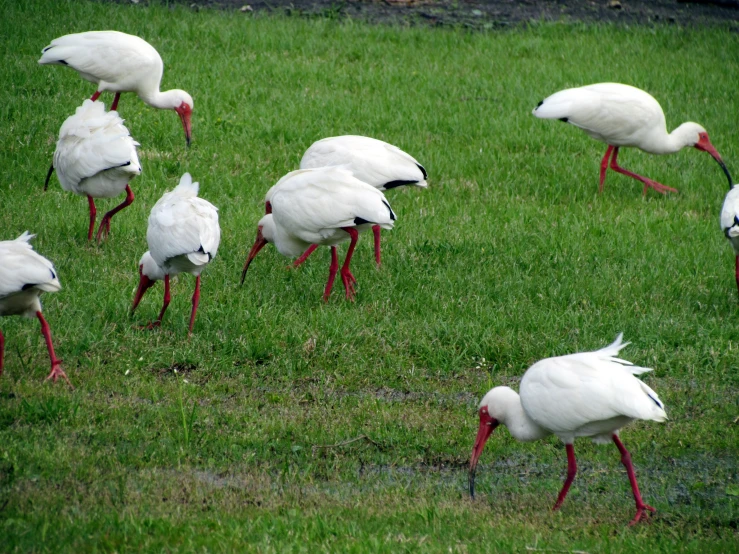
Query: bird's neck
[167, 100]
[519, 424]
[675, 141]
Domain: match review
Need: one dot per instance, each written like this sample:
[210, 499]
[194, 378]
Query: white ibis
[118, 63]
[622, 115]
[324, 206]
[96, 157]
[183, 237]
[373, 161]
[590, 394]
[24, 275]
[730, 224]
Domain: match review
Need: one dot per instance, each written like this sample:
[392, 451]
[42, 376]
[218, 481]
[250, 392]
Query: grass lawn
[222, 442]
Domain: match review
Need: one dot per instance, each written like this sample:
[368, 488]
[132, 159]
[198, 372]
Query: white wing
[730, 217]
[21, 268]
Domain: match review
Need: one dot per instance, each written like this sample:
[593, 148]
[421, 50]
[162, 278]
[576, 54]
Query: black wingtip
[48, 176]
[539, 105]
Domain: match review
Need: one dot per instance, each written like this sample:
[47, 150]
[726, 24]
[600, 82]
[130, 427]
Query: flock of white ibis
[335, 194]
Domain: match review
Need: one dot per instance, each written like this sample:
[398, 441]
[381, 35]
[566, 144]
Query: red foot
[664, 189]
[56, 372]
[104, 229]
[149, 326]
[641, 514]
[349, 282]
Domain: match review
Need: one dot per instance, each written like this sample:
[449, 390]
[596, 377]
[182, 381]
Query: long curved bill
[48, 176]
[258, 245]
[185, 113]
[705, 145]
[144, 284]
[487, 426]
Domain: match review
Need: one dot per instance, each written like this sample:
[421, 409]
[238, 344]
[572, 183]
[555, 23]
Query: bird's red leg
[626, 461]
[56, 364]
[2, 351]
[604, 167]
[647, 182]
[305, 255]
[114, 105]
[376, 231]
[195, 302]
[346, 275]
[158, 322]
[571, 471]
[93, 214]
[104, 228]
[95, 96]
[333, 268]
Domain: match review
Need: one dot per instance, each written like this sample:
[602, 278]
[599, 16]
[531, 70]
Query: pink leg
[56, 364]
[158, 322]
[333, 268]
[647, 182]
[95, 96]
[346, 275]
[93, 214]
[571, 471]
[2, 351]
[626, 461]
[195, 302]
[114, 105]
[376, 230]
[604, 167]
[305, 255]
[104, 228]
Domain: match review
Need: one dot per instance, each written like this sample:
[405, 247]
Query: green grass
[509, 256]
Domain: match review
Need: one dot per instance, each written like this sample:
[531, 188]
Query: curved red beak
[144, 284]
[185, 113]
[487, 426]
[705, 145]
[258, 245]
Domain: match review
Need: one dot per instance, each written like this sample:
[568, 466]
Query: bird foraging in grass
[183, 237]
[622, 115]
[589, 394]
[24, 275]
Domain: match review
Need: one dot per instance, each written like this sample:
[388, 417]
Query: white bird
[730, 224]
[96, 157]
[118, 62]
[24, 275]
[324, 206]
[373, 161]
[590, 394]
[622, 115]
[183, 237]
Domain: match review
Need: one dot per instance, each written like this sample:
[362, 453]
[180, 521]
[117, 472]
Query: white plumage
[322, 206]
[590, 394]
[183, 237]
[730, 224]
[118, 62]
[373, 161]
[622, 115]
[96, 157]
[24, 275]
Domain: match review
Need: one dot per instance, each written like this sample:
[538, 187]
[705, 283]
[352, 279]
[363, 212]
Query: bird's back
[24, 274]
[373, 161]
[588, 394]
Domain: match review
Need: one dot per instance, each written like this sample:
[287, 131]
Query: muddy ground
[490, 14]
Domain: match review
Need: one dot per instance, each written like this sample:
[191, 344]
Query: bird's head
[265, 234]
[149, 273]
[696, 136]
[183, 105]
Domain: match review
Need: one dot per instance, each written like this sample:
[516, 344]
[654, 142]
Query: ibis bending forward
[373, 161]
[622, 115]
[118, 63]
[324, 206]
[24, 275]
[590, 394]
[730, 224]
[96, 157]
[183, 237]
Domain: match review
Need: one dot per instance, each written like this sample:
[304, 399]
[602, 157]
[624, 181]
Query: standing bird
[96, 157]
[730, 224]
[183, 237]
[118, 62]
[373, 161]
[621, 115]
[322, 206]
[24, 275]
[590, 394]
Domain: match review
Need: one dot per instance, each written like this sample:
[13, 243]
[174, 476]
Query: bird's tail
[610, 353]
